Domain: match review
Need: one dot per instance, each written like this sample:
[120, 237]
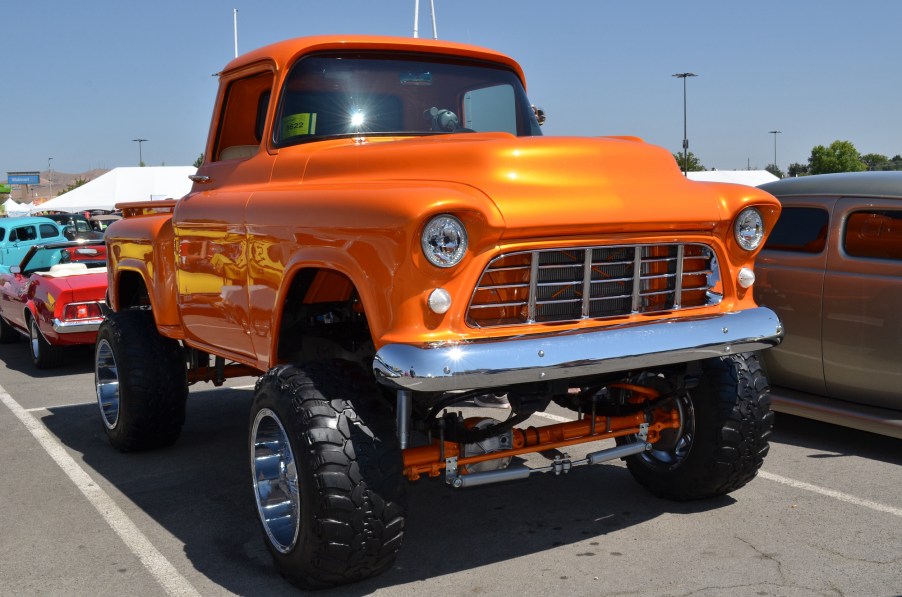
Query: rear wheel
[327, 474]
[43, 354]
[723, 440]
[141, 382]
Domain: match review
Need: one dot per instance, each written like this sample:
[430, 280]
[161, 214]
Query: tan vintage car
[832, 270]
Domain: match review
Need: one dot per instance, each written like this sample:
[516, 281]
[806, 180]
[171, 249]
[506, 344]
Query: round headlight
[444, 241]
[749, 228]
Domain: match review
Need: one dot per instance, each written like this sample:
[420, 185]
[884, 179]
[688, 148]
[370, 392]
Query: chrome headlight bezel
[748, 229]
[444, 241]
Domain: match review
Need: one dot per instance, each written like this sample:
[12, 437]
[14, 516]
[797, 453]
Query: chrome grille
[552, 285]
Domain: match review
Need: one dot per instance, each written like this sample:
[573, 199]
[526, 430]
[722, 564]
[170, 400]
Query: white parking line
[58, 406]
[158, 566]
[837, 495]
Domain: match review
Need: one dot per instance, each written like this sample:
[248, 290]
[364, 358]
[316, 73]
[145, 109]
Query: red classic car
[55, 296]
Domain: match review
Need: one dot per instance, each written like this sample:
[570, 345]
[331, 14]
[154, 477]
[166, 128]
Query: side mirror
[540, 114]
[15, 269]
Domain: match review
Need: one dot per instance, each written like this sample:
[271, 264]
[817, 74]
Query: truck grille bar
[556, 285]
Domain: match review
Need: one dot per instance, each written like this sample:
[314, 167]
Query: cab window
[243, 117]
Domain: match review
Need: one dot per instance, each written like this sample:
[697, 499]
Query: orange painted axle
[430, 460]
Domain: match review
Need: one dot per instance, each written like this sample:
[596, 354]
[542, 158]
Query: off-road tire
[8, 334]
[141, 382]
[341, 481]
[725, 436]
[43, 354]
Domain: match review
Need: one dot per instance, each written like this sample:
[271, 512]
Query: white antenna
[416, 18]
[235, 20]
[432, 10]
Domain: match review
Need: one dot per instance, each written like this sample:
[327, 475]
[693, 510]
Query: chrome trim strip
[526, 359]
[637, 277]
[678, 279]
[72, 327]
[533, 284]
[587, 283]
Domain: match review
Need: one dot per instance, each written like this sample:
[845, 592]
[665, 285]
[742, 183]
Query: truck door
[210, 226]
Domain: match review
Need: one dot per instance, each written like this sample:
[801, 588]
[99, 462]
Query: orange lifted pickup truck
[381, 231]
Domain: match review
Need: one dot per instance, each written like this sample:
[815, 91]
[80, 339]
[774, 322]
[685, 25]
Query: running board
[559, 466]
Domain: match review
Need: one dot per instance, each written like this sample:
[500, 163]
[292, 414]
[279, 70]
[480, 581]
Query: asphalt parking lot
[824, 517]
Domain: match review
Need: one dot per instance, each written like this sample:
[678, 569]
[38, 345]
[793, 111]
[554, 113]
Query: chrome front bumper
[567, 355]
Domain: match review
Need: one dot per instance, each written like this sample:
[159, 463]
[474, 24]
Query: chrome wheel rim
[275, 481]
[676, 453]
[34, 335]
[106, 382]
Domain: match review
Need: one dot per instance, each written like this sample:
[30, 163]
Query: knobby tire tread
[733, 428]
[353, 514]
[153, 386]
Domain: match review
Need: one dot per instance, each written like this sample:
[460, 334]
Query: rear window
[875, 234]
[49, 231]
[800, 229]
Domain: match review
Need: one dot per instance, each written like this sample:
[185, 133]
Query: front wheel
[726, 424]
[327, 474]
[141, 382]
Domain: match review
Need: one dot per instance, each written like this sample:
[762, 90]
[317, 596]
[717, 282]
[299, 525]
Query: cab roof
[284, 53]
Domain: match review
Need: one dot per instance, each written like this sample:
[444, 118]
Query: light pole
[50, 177]
[775, 133]
[685, 76]
[140, 155]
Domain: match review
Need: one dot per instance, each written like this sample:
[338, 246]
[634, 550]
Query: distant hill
[61, 180]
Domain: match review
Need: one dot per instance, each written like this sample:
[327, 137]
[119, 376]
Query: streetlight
[140, 155]
[50, 176]
[775, 133]
[684, 76]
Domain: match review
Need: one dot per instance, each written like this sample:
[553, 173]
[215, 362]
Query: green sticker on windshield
[299, 124]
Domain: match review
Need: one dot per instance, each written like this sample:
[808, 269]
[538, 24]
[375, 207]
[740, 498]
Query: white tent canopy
[121, 185]
[14, 208]
[752, 178]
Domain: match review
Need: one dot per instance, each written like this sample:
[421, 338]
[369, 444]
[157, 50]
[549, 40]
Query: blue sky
[82, 79]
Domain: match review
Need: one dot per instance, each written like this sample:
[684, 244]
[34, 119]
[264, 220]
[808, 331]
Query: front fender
[142, 253]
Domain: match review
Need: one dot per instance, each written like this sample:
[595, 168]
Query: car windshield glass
[42, 260]
[346, 94]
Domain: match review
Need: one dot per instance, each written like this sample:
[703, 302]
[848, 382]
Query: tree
[875, 161]
[841, 156]
[694, 164]
[796, 169]
[199, 161]
[775, 170]
[78, 182]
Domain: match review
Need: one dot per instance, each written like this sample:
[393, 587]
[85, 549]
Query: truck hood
[540, 183]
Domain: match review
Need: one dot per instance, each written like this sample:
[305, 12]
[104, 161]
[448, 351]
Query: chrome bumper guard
[72, 327]
[567, 355]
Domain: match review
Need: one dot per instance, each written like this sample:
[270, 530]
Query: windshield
[340, 94]
[44, 258]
